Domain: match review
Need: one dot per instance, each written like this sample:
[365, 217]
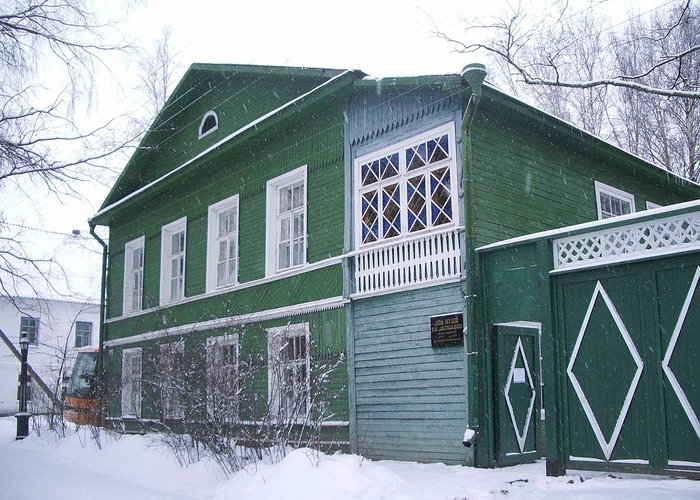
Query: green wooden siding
[530, 177]
[649, 297]
[237, 98]
[410, 397]
[327, 346]
[315, 140]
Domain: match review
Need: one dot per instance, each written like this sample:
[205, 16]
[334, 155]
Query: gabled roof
[155, 160]
[288, 89]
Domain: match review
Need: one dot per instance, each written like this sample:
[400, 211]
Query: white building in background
[56, 328]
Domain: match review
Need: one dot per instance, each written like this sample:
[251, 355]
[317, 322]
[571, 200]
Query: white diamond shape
[506, 389]
[606, 445]
[685, 403]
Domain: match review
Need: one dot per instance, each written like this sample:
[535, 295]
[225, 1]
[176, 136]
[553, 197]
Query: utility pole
[23, 415]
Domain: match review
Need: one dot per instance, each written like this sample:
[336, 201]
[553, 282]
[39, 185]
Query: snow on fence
[426, 259]
[680, 232]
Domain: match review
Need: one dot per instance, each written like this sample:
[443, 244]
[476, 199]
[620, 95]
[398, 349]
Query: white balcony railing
[665, 235]
[423, 260]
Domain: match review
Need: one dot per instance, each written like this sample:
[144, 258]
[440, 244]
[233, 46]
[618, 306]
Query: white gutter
[238, 132]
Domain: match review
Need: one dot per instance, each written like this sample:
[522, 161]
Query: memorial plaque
[446, 330]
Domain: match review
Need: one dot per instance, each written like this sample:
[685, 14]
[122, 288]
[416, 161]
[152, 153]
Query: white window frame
[613, 192]
[130, 288]
[402, 180]
[213, 240]
[214, 363]
[131, 383]
[274, 217]
[166, 258]
[204, 119]
[89, 332]
[172, 406]
[275, 367]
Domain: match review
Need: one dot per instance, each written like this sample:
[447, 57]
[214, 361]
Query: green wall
[529, 177]
[327, 346]
[411, 398]
[314, 139]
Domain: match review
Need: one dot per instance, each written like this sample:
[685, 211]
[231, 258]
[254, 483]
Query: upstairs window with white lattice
[406, 188]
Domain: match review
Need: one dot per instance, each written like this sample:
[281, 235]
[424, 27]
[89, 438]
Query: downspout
[473, 75]
[103, 312]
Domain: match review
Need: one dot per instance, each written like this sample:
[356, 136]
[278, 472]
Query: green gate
[516, 381]
[628, 335]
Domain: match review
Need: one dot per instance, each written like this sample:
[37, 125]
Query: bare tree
[635, 83]
[42, 145]
[515, 34]
[664, 129]
[158, 68]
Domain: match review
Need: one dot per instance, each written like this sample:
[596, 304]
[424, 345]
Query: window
[172, 261]
[286, 221]
[612, 202]
[133, 275]
[83, 333]
[288, 371]
[209, 123]
[406, 188]
[222, 244]
[30, 326]
[131, 382]
[172, 379]
[222, 377]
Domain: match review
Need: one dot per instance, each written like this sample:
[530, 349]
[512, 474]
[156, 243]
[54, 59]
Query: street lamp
[23, 415]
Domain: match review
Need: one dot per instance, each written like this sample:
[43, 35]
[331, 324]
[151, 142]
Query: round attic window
[209, 123]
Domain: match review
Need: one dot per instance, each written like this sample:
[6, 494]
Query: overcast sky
[379, 37]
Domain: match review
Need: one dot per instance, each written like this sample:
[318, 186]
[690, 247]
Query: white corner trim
[280, 312]
[229, 137]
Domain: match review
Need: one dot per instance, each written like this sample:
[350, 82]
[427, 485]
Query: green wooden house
[287, 219]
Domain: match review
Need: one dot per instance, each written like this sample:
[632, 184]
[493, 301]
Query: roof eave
[328, 87]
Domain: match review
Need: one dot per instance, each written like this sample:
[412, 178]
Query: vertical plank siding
[411, 397]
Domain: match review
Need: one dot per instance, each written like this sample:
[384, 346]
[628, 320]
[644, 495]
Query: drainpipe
[103, 312]
[473, 75]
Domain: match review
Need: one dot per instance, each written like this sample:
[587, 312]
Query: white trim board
[281, 312]
[219, 291]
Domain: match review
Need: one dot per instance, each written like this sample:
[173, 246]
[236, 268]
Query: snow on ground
[133, 468]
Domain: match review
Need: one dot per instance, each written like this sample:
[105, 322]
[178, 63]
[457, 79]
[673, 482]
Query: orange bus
[80, 404]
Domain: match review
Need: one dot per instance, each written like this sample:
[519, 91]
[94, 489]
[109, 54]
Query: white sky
[379, 37]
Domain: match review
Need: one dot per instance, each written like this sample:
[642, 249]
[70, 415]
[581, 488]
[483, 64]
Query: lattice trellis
[651, 237]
